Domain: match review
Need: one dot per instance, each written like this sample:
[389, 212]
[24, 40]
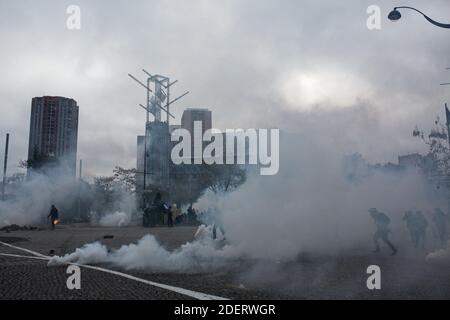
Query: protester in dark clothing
[417, 225]
[422, 225]
[157, 201]
[382, 232]
[440, 220]
[54, 216]
[191, 215]
[147, 216]
[222, 230]
[179, 219]
[170, 217]
[411, 223]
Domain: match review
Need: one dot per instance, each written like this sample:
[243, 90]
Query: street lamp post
[395, 15]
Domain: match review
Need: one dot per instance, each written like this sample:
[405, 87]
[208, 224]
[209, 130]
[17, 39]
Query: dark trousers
[383, 235]
[54, 222]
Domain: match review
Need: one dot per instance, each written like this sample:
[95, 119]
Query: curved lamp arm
[439, 24]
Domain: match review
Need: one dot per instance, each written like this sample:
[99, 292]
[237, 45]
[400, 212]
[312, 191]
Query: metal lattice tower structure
[157, 100]
[158, 95]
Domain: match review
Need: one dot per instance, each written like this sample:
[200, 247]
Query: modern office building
[196, 114]
[140, 162]
[53, 134]
[153, 157]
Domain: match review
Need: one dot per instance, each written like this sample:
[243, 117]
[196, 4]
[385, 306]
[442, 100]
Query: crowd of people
[416, 224]
[159, 212]
[415, 221]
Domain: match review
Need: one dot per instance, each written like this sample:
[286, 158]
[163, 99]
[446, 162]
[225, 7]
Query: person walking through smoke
[170, 212]
[191, 215]
[382, 232]
[53, 215]
[411, 223]
[421, 225]
[157, 201]
[440, 220]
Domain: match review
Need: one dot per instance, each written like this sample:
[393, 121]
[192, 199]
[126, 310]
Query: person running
[440, 220]
[382, 222]
[170, 212]
[411, 225]
[422, 225]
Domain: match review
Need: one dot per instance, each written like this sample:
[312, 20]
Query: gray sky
[304, 66]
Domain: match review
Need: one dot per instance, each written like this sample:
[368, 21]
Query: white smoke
[116, 219]
[312, 206]
[89, 253]
[202, 254]
[32, 200]
[207, 208]
[440, 255]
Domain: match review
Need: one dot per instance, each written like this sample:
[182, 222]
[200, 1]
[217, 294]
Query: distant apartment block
[53, 134]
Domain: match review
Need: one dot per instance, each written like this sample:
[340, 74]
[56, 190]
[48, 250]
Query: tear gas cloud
[147, 254]
[32, 197]
[440, 255]
[116, 219]
[310, 206]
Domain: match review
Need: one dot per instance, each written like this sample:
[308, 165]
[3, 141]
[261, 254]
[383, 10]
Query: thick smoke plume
[116, 219]
[440, 255]
[200, 255]
[311, 206]
[30, 198]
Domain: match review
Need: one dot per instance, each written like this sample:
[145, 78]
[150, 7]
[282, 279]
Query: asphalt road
[309, 277]
[28, 278]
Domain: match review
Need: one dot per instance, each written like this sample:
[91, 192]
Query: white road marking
[186, 292]
[23, 249]
[20, 256]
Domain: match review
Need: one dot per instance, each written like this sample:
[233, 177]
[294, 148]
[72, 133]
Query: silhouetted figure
[191, 215]
[146, 218]
[411, 223]
[215, 226]
[422, 225]
[179, 219]
[176, 214]
[170, 217]
[382, 222]
[440, 220]
[157, 201]
[53, 215]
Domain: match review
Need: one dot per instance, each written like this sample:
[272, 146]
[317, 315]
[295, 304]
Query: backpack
[383, 219]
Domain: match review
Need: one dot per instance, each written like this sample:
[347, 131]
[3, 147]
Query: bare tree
[437, 161]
